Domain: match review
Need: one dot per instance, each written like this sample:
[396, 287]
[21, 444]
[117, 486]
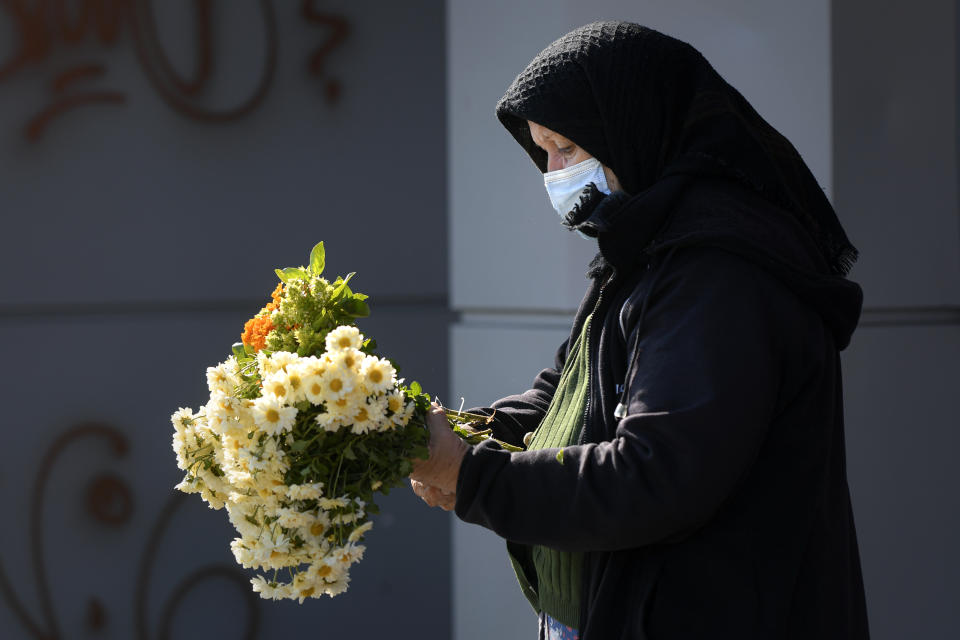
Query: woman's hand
[434, 497]
[435, 479]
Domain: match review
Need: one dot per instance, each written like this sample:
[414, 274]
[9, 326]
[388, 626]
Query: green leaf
[291, 273]
[560, 456]
[349, 454]
[318, 259]
[342, 287]
[239, 351]
[415, 388]
[355, 308]
[298, 445]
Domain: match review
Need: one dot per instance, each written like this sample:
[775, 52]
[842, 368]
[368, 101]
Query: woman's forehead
[541, 135]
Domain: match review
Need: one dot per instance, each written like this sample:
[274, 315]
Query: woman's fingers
[442, 466]
[433, 496]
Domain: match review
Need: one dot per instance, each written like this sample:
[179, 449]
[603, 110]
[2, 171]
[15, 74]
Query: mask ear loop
[621, 411]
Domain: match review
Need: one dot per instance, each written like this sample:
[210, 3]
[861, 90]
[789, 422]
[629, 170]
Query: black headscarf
[652, 109]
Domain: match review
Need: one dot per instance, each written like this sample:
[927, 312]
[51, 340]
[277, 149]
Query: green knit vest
[558, 573]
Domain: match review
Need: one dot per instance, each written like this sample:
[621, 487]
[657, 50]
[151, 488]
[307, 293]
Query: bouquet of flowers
[305, 423]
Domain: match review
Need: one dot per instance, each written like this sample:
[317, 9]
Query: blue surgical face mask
[564, 185]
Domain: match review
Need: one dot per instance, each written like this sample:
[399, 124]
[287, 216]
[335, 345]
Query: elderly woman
[683, 473]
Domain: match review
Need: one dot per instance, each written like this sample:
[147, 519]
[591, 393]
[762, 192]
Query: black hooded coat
[717, 506]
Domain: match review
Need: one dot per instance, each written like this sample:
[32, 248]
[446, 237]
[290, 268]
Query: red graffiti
[45, 25]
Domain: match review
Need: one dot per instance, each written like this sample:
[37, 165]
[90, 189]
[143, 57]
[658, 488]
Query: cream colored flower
[271, 416]
[319, 525]
[368, 416]
[378, 374]
[358, 533]
[297, 374]
[336, 382]
[293, 519]
[277, 384]
[267, 590]
[305, 491]
[267, 365]
[313, 388]
[221, 410]
[344, 337]
[329, 421]
[333, 503]
[349, 359]
[223, 377]
[396, 401]
[401, 418]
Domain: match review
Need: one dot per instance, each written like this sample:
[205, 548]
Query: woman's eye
[566, 150]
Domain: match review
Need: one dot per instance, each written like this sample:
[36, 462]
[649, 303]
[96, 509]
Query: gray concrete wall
[895, 177]
[137, 240]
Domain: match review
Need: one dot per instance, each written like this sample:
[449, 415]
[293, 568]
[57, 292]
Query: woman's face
[563, 152]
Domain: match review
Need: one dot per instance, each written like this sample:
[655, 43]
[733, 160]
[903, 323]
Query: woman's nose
[554, 161]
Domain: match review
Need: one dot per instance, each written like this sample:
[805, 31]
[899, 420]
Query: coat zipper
[586, 412]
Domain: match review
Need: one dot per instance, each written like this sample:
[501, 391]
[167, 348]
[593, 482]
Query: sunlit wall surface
[157, 161]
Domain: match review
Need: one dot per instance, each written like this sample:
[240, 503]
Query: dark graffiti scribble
[108, 500]
[171, 87]
[145, 573]
[38, 124]
[339, 30]
[44, 25]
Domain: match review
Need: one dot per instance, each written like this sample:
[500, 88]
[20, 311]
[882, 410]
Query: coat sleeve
[703, 393]
[515, 415]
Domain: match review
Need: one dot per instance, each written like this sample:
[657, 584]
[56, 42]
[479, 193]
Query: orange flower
[255, 330]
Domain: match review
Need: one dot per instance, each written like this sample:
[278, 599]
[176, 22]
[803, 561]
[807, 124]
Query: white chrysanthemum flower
[369, 416]
[329, 421]
[293, 519]
[337, 382]
[297, 374]
[378, 374]
[277, 384]
[328, 570]
[344, 518]
[221, 408]
[344, 337]
[333, 503]
[349, 554]
[304, 588]
[320, 523]
[396, 400]
[305, 491]
[338, 586]
[223, 377]
[271, 416]
[183, 418]
[267, 365]
[283, 359]
[313, 387]
[358, 533]
[401, 418]
[188, 485]
[377, 409]
[349, 359]
[267, 590]
[243, 554]
[245, 519]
